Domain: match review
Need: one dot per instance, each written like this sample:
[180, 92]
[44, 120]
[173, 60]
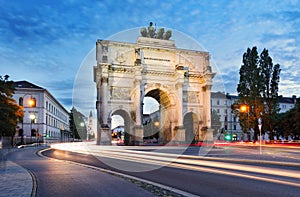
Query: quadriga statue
[144, 31]
[168, 35]
[160, 33]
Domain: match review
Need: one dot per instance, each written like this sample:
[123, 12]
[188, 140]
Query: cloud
[46, 42]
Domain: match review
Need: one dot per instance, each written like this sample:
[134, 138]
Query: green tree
[288, 123]
[77, 124]
[249, 90]
[258, 89]
[270, 81]
[11, 112]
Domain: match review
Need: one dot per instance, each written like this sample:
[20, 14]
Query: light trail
[211, 168]
[192, 163]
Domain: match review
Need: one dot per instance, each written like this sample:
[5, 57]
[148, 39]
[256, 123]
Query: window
[21, 101]
[46, 104]
[218, 102]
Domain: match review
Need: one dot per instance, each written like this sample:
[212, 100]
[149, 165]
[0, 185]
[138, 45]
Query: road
[189, 174]
[201, 176]
[57, 178]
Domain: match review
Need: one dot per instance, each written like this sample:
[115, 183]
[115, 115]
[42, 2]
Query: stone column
[178, 130]
[104, 99]
[138, 103]
[105, 136]
[207, 106]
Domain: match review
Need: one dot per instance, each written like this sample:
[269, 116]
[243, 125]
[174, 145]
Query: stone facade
[50, 117]
[179, 79]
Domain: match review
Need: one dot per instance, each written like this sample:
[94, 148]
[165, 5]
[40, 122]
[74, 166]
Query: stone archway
[127, 125]
[179, 79]
[158, 123]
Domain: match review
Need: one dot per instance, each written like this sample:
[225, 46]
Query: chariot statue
[151, 32]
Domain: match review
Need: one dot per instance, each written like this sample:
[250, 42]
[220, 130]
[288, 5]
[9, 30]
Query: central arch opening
[156, 117]
[120, 127]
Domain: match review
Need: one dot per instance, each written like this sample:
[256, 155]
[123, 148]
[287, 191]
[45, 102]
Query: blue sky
[47, 42]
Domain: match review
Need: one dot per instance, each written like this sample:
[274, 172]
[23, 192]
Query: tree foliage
[77, 124]
[258, 89]
[10, 110]
[288, 123]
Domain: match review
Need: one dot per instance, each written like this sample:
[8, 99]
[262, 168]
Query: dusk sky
[50, 43]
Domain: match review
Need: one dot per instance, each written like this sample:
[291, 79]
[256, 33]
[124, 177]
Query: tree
[270, 81]
[258, 89]
[249, 90]
[288, 123]
[11, 112]
[77, 124]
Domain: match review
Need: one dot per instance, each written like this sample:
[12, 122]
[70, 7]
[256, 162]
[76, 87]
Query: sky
[51, 43]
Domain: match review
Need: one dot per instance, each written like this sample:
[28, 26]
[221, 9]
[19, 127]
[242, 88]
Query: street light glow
[31, 102]
[32, 116]
[244, 108]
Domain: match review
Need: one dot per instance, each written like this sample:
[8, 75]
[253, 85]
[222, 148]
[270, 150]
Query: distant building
[90, 131]
[287, 103]
[44, 118]
[221, 103]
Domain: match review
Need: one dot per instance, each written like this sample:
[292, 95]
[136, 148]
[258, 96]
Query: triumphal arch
[180, 80]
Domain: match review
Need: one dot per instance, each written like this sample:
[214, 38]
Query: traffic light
[234, 137]
[228, 137]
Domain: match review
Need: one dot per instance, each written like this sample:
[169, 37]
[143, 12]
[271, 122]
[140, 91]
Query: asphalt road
[58, 178]
[198, 179]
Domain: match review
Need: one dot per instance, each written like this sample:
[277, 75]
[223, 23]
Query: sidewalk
[14, 179]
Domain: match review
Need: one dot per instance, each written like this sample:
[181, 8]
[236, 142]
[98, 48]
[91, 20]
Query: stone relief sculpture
[151, 33]
[120, 93]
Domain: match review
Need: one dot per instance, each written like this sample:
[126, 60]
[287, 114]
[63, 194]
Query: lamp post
[32, 118]
[244, 108]
[259, 126]
[31, 103]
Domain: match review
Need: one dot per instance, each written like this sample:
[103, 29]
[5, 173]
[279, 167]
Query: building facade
[44, 116]
[221, 103]
[180, 80]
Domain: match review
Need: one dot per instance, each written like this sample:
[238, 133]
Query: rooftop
[26, 84]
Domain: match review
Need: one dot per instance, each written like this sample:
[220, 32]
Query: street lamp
[31, 103]
[32, 118]
[244, 108]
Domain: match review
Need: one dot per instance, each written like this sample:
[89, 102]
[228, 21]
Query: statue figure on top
[151, 33]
